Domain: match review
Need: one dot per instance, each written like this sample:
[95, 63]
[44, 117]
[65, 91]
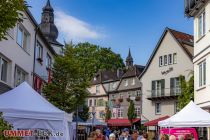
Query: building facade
[129, 88]
[26, 55]
[200, 11]
[103, 83]
[171, 58]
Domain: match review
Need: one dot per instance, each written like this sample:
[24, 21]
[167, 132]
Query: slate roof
[107, 76]
[133, 71]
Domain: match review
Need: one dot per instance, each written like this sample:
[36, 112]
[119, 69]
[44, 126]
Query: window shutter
[153, 88]
[162, 87]
[172, 86]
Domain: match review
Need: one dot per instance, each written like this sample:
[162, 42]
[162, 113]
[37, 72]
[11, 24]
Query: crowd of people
[124, 134]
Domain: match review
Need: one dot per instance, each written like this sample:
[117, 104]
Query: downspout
[36, 29]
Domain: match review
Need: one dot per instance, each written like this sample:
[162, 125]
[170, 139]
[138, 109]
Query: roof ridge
[180, 32]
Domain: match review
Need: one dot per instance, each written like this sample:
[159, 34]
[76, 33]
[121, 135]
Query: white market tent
[24, 108]
[190, 116]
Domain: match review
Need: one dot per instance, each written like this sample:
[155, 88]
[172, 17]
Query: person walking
[107, 132]
[112, 136]
[145, 136]
[125, 135]
[99, 135]
[135, 135]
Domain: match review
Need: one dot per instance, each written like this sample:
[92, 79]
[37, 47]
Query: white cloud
[75, 29]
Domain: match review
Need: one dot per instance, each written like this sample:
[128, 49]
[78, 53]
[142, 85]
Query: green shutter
[162, 87]
[172, 86]
[153, 88]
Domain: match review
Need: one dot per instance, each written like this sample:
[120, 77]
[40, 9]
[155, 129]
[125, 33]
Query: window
[133, 81]
[3, 69]
[175, 86]
[90, 102]
[126, 83]
[176, 108]
[138, 111]
[20, 76]
[201, 24]
[23, 38]
[202, 73]
[48, 61]
[100, 102]
[138, 93]
[39, 51]
[158, 88]
[160, 61]
[174, 58]
[95, 102]
[165, 60]
[170, 59]
[157, 108]
[120, 113]
[121, 96]
[97, 89]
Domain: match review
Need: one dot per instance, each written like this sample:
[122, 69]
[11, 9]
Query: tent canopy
[155, 122]
[24, 108]
[190, 116]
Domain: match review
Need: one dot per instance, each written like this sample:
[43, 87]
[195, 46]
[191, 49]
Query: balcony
[192, 7]
[165, 94]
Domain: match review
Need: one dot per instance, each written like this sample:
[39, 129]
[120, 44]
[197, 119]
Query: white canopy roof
[24, 108]
[190, 116]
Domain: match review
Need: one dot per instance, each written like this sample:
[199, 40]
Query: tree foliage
[131, 112]
[68, 87]
[94, 58]
[10, 13]
[108, 114]
[187, 91]
[5, 126]
[84, 114]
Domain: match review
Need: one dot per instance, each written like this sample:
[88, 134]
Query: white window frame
[48, 61]
[138, 93]
[90, 102]
[97, 89]
[161, 61]
[170, 60]
[138, 111]
[174, 58]
[158, 108]
[126, 82]
[1, 70]
[202, 73]
[165, 60]
[201, 24]
[22, 74]
[176, 108]
[39, 50]
[133, 81]
[25, 38]
[120, 112]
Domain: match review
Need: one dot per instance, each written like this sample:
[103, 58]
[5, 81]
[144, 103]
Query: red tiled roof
[121, 122]
[155, 122]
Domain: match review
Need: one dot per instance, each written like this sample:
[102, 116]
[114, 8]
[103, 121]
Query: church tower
[129, 60]
[49, 29]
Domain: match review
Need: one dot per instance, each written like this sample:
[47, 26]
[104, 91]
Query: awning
[121, 122]
[155, 122]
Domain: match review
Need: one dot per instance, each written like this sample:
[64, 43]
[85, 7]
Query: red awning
[121, 122]
[155, 122]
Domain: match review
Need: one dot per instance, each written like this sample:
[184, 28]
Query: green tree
[68, 87]
[94, 58]
[84, 114]
[5, 126]
[108, 113]
[10, 13]
[131, 112]
[187, 91]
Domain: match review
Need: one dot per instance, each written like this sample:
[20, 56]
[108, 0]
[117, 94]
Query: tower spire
[129, 59]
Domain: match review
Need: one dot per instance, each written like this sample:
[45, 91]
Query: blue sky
[119, 24]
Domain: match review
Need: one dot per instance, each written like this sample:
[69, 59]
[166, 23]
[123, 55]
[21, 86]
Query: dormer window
[126, 83]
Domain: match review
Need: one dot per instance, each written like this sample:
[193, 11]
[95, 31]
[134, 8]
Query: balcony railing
[164, 93]
[193, 6]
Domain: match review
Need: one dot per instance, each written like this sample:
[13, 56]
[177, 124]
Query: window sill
[157, 113]
[201, 88]
[200, 38]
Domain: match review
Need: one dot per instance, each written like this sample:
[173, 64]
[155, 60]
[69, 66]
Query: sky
[118, 24]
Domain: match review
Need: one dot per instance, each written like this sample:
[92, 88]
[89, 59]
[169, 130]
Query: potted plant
[120, 99]
[138, 98]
